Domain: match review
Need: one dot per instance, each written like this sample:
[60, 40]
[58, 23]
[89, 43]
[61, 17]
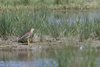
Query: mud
[11, 43]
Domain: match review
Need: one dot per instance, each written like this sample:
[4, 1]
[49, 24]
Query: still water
[27, 58]
[51, 57]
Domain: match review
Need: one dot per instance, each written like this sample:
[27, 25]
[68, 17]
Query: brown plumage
[26, 38]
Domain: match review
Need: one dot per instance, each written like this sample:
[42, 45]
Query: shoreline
[61, 43]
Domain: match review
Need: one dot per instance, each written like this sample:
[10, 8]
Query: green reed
[48, 3]
[18, 21]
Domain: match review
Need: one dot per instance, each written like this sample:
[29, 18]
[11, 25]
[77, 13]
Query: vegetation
[51, 2]
[18, 16]
[17, 21]
[81, 4]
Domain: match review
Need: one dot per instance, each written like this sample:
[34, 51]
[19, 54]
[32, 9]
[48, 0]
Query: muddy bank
[11, 43]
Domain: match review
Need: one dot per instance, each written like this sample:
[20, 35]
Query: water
[26, 58]
[35, 63]
[50, 57]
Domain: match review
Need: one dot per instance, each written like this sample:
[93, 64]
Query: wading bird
[26, 37]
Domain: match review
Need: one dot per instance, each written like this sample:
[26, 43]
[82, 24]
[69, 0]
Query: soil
[11, 43]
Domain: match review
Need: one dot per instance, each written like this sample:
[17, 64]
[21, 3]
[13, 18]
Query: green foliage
[50, 2]
[25, 2]
[19, 21]
[5, 24]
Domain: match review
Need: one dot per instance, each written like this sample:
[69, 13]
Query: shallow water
[34, 63]
[50, 57]
[26, 58]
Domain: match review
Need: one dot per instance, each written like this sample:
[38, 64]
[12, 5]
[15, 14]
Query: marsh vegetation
[71, 26]
[83, 24]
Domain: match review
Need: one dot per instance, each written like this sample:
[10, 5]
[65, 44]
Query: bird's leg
[28, 41]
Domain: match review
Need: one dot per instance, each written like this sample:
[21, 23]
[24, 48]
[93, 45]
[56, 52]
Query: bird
[26, 37]
[81, 47]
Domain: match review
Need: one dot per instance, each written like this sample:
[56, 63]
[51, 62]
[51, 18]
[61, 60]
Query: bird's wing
[23, 37]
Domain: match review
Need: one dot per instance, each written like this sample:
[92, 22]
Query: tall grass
[39, 2]
[18, 21]
[6, 24]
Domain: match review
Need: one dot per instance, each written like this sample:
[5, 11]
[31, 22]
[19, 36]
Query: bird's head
[32, 29]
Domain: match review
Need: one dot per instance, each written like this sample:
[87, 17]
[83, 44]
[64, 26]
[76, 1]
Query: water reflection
[27, 58]
[69, 56]
[34, 63]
